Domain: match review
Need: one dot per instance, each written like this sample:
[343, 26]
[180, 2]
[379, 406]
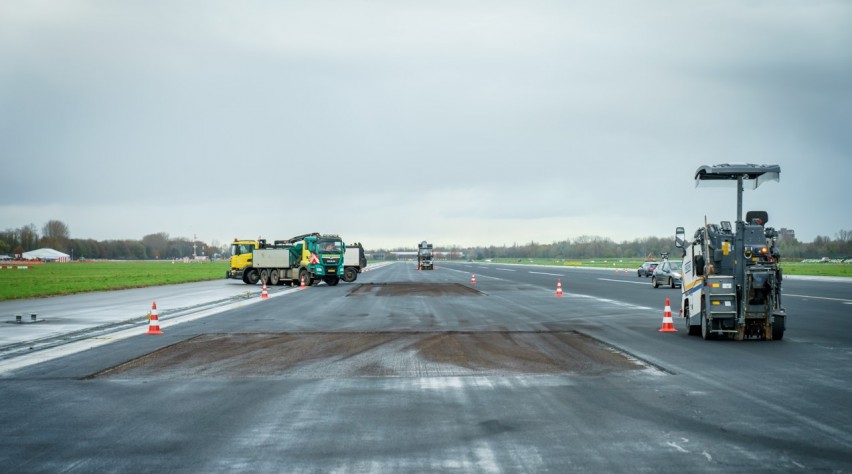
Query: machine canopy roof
[727, 174]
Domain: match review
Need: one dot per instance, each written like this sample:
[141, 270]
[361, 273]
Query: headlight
[676, 274]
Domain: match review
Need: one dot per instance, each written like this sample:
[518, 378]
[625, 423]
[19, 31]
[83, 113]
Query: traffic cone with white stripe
[473, 279]
[263, 293]
[668, 323]
[303, 282]
[154, 321]
[558, 287]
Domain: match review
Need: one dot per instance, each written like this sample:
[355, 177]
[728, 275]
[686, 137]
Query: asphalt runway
[420, 371]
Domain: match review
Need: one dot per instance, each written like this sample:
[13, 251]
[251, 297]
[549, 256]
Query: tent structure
[47, 255]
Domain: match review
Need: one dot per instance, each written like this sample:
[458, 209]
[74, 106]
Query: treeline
[55, 235]
[587, 247]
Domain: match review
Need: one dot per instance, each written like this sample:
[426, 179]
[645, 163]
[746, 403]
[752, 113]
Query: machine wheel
[690, 329]
[252, 277]
[654, 282]
[705, 328]
[671, 282]
[331, 280]
[349, 274]
[777, 334]
[273, 278]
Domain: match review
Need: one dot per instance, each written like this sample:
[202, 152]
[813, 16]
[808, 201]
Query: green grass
[817, 269]
[631, 263]
[790, 268]
[53, 279]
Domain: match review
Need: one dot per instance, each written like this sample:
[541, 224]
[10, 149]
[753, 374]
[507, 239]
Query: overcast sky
[391, 122]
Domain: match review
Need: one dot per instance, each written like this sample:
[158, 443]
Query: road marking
[845, 300]
[550, 274]
[505, 269]
[44, 355]
[625, 281]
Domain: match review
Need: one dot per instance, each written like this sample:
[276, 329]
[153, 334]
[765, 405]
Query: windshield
[330, 246]
[675, 265]
[239, 249]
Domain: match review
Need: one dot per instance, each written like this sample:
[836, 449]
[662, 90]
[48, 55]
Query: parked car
[647, 269]
[667, 273]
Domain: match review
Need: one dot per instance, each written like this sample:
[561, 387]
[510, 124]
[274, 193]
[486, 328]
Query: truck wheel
[273, 278]
[332, 280]
[264, 276]
[252, 277]
[671, 282]
[654, 282]
[349, 275]
[305, 276]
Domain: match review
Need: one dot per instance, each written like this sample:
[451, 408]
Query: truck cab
[241, 258]
[321, 258]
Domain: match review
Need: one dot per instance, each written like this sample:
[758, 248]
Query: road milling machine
[424, 256]
[731, 278]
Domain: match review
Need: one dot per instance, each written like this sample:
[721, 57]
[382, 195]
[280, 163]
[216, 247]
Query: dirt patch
[414, 289]
[400, 354]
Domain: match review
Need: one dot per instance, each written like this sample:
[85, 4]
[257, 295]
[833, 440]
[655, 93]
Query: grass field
[789, 268]
[53, 279]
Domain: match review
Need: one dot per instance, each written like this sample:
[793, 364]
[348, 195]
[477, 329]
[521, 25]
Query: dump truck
[309, 257]
[731, 278]
[354, 261]
[424, 256]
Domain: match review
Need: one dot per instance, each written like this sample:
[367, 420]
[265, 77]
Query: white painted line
[844, 300]
[625, 281]
[505, 269]
[550, 274]
[84, 344]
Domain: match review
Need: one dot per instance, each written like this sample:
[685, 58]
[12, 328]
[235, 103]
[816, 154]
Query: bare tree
[55, 229]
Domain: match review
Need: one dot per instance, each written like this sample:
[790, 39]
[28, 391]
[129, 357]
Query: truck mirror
[679, 237]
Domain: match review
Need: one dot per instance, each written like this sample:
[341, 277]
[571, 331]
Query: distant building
[785, 234]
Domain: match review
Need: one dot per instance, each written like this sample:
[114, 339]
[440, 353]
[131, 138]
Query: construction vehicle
[354, 261]
[731, 279]
[424, 256]
[309, 257]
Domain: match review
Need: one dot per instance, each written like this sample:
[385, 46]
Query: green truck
[309, 257]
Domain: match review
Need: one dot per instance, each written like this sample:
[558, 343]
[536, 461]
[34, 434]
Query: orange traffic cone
[154, 321]
[558, 287]
[472, 279]
[303, 282]
[668, 324]
[263, 293]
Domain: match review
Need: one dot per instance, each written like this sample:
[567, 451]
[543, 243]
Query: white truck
[354, 262]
